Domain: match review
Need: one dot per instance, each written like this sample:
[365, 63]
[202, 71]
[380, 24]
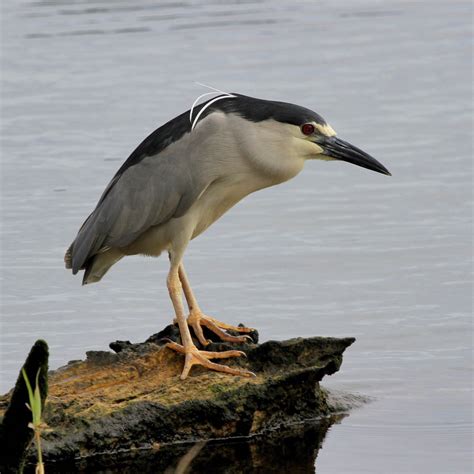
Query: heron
[183, 177]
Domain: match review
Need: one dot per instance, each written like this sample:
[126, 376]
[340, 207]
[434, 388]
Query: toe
[228, 370]
[175, 347]
[222, 334]
[199, 334]
[223, 354]
[187, 367]
[226, 326]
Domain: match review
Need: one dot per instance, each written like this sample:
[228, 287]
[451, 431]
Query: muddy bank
[114, 405]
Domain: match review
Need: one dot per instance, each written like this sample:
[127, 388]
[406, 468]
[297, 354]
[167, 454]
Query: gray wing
[147, 194]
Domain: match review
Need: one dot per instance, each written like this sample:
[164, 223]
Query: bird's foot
[193, 356]
[197, 320]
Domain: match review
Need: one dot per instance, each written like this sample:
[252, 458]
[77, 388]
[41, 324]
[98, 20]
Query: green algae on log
[133, 399]
[15, 435]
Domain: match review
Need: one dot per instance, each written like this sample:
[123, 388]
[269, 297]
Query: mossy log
[133, 399]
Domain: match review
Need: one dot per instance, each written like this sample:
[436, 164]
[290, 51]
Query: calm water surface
[338, 251]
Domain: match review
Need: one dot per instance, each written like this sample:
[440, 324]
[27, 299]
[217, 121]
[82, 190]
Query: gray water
[338, 251]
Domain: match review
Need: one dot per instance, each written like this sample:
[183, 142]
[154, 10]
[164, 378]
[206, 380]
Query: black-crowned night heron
[186, 175]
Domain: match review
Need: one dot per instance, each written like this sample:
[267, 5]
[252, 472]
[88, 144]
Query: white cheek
[308, 149]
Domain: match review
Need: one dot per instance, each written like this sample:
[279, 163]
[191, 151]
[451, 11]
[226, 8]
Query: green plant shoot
[36, 425]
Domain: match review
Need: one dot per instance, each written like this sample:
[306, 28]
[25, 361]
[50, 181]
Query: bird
[183, 177]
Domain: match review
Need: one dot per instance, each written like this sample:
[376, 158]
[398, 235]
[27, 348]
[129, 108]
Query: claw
[193, 356]
[197, 320]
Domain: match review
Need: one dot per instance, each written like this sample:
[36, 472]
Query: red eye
[307, 128]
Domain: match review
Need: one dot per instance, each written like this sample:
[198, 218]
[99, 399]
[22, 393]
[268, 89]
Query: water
[338, 251]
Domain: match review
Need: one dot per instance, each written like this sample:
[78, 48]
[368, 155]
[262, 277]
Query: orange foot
[193, 356]
[197, 320]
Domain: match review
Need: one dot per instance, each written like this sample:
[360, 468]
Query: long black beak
[341, 150]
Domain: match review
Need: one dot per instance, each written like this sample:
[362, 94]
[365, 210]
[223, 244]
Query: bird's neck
[269, 155]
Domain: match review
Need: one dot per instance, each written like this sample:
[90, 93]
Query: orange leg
[193, 356]
[197, 319]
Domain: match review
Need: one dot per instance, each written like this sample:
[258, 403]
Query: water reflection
[186, 461]
[292, 449]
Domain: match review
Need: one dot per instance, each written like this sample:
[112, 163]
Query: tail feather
[88, 242]
[97, 266]
[90, 250]
[68, 257]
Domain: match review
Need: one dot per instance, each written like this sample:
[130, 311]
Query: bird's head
[291, 129]
[317, 140]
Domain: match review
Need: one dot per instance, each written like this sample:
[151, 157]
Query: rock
[113, 404]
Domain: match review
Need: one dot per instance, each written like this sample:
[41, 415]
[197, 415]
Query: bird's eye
[307, 129]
